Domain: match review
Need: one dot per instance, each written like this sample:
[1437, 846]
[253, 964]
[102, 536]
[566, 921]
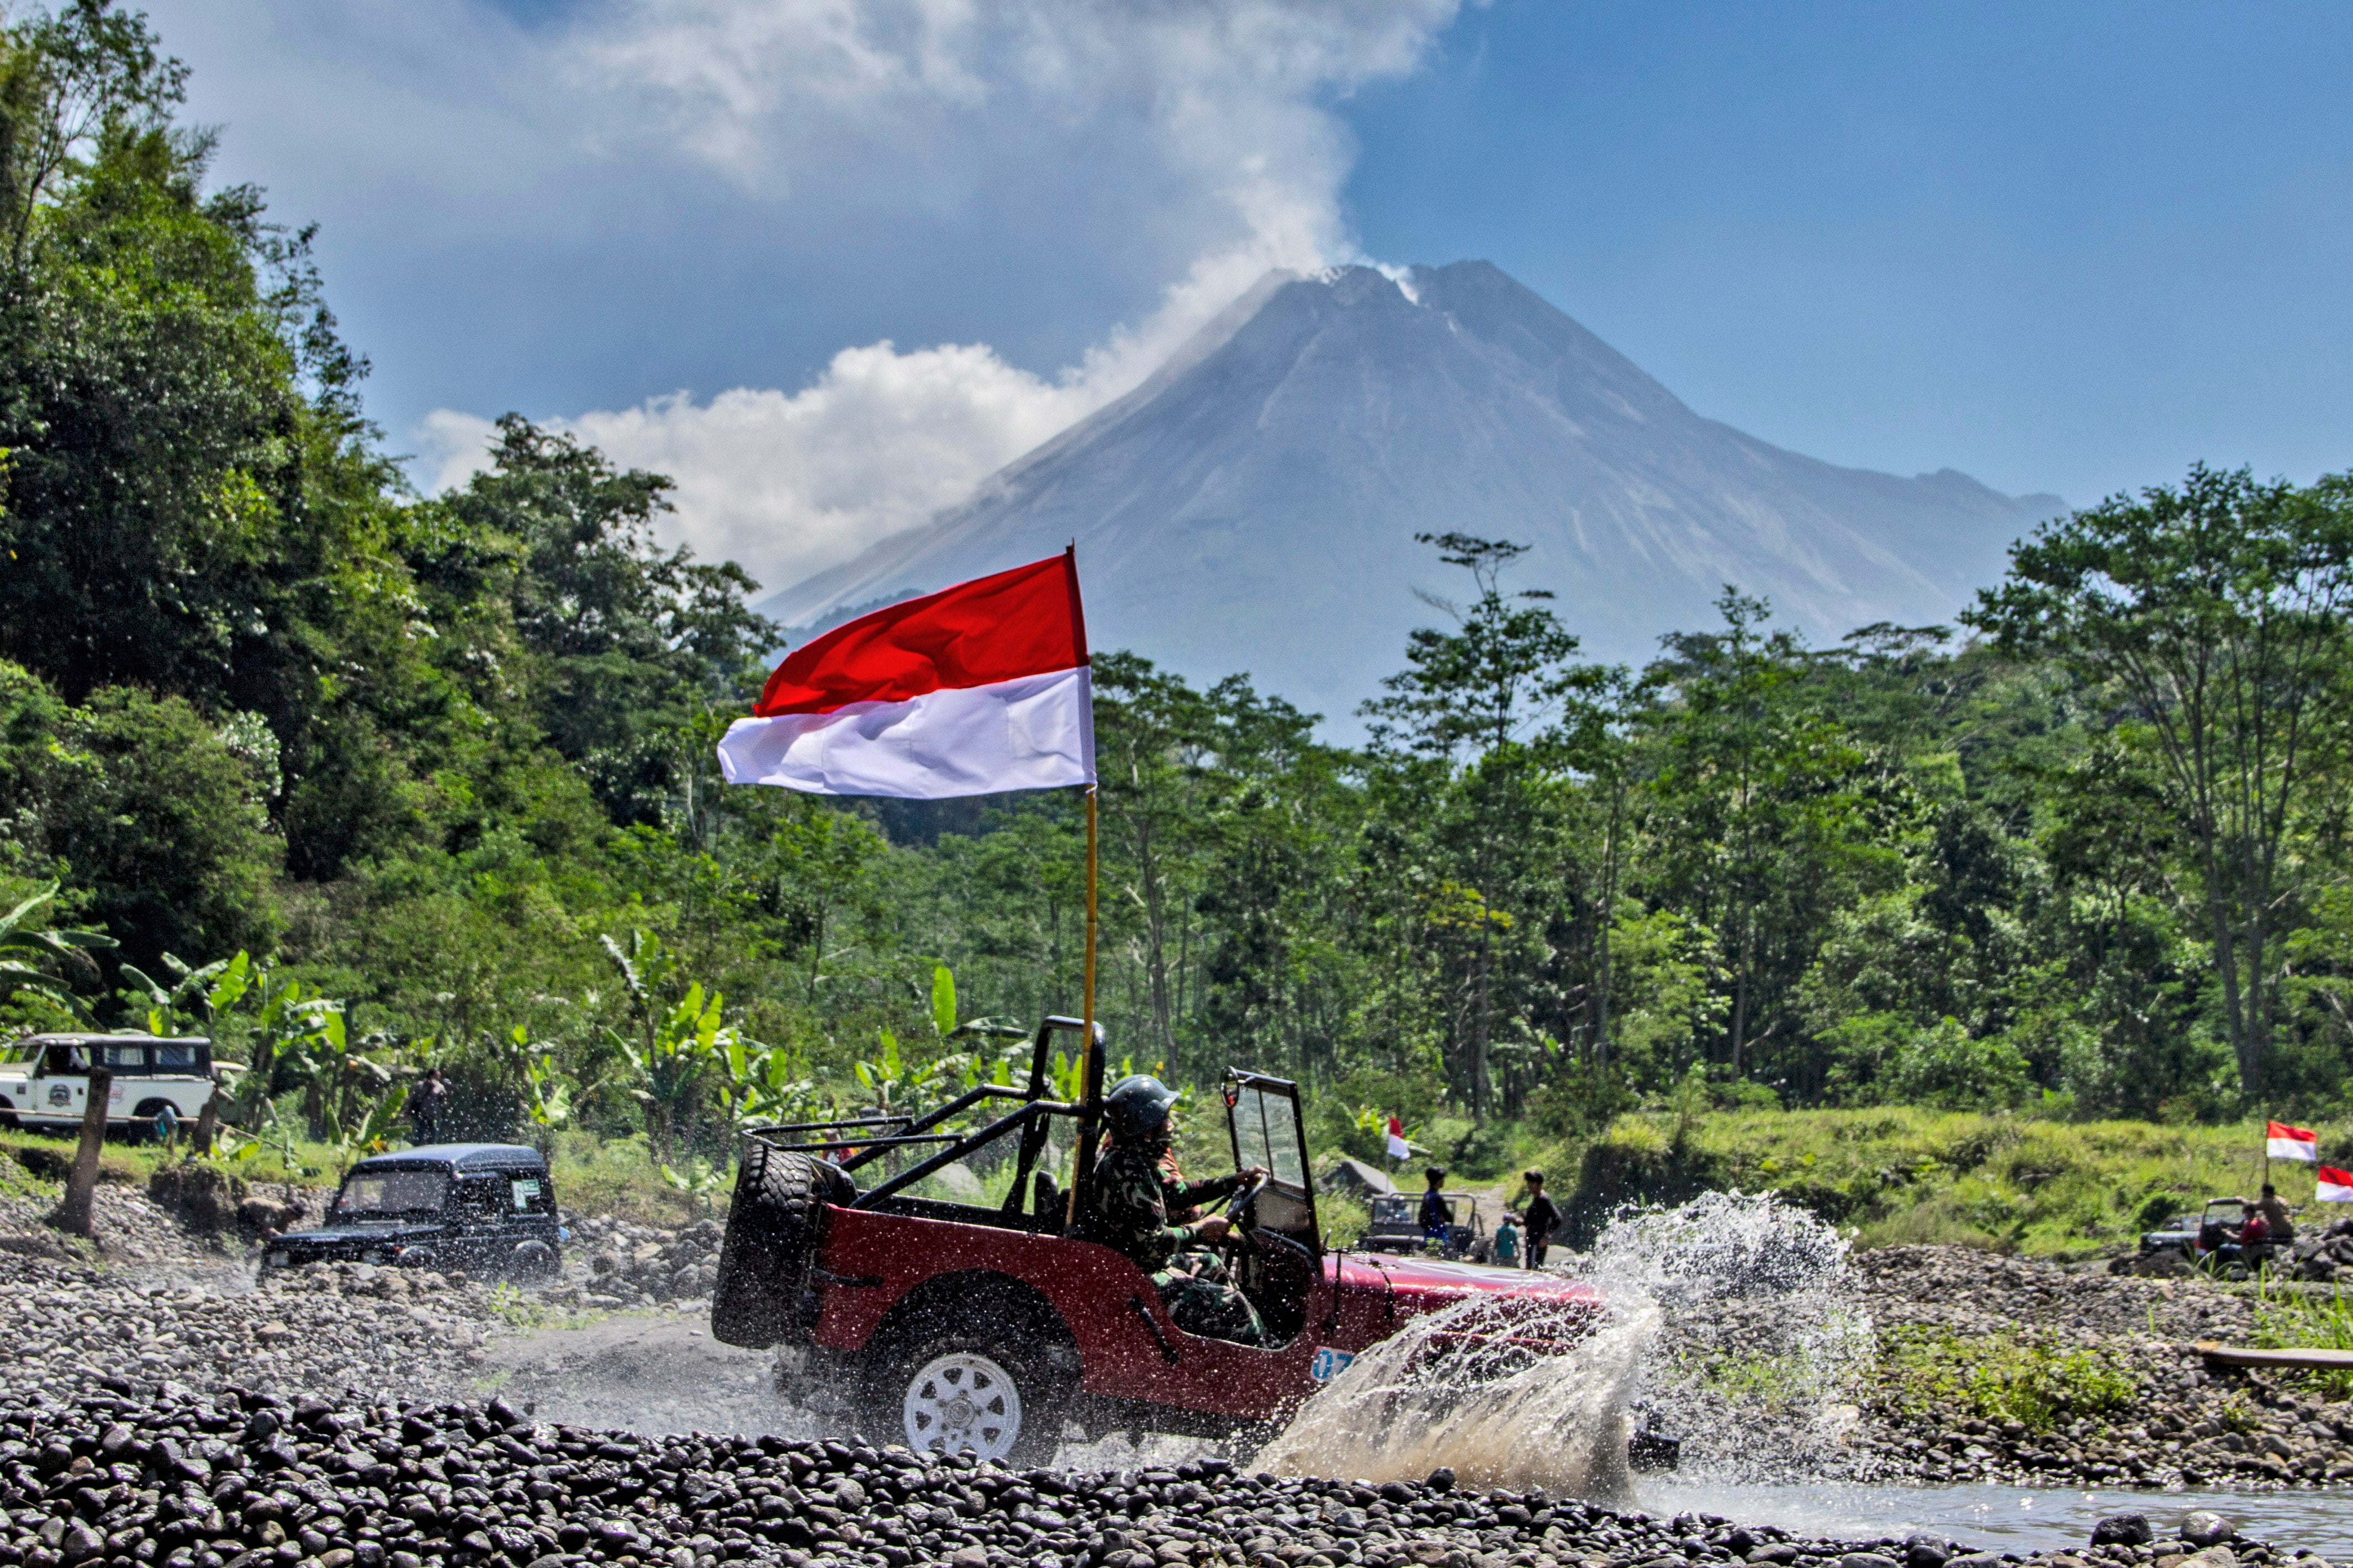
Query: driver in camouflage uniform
[1145, 1207]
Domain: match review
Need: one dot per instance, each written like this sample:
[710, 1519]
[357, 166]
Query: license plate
[278, 1260]
[1329, 1364]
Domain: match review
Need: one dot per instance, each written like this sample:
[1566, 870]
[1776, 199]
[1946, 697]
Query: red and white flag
[2335, 1186]
[1397, 1147]
[2281, 1141]
[975, 689]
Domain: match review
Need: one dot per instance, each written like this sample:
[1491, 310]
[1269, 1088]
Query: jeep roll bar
[911, 1131]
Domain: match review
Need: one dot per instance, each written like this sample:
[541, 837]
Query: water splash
[1729, 1323]
[1525, 1422]
[1763, 1341]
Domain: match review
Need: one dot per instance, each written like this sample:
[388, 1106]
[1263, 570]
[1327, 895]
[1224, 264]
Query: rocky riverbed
[2009, 1369]
[134, 1478]
[171, 1335]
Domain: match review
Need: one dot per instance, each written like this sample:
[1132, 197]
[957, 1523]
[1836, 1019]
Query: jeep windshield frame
[1265, 1125]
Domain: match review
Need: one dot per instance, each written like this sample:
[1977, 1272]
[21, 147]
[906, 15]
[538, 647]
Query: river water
[1775, 1280]
[2004, 1518]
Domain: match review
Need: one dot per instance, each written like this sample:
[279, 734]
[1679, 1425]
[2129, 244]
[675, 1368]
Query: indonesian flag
[975, 689]
[2335, 1186]
[2281, 1141]
[1397, 1149]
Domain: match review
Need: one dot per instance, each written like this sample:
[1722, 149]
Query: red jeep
[952, 1326]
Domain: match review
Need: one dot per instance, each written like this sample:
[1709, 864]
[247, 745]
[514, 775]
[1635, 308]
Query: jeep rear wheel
[959, 1393]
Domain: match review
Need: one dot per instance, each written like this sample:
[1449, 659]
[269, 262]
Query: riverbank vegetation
[359, 779]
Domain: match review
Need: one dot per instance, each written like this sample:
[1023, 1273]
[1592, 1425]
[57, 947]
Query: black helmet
[1137, 1107]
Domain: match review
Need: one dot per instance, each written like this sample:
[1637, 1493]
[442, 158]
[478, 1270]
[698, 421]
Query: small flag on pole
[2281, 1141]
[2335, 1186]
[975, 689]
[1397, 1147]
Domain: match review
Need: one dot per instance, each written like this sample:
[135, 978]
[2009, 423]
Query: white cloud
[1188, 146]
[790, 484]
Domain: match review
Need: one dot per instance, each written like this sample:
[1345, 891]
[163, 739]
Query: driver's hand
[1255, 1173]
[1211, 1228]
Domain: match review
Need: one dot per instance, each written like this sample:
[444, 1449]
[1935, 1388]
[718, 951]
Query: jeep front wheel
[954, 1394]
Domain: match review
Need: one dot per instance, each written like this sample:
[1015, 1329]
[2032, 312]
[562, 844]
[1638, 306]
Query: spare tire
[775, 1227]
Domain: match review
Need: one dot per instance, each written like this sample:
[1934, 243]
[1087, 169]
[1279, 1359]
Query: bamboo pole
[1090, 1070]
[1088, 1014]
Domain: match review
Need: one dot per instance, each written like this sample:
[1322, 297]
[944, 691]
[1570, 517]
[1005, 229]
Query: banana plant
[286, 1026]
[762, 1083]
[28, 943]
[214, 989]
[547, 1093]
[899, 1086]
[680, 1050]
[700, 1180]
[372, 1133]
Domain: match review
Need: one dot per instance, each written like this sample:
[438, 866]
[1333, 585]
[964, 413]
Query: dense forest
[360, 780]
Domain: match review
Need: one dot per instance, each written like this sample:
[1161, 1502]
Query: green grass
[2288, 1318]
[1901, 1175]
[1999, 1378]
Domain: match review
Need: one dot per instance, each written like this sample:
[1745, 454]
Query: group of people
[2264, 1226]
[1532, 1218]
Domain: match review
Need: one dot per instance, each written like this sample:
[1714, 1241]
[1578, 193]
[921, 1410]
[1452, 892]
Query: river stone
[1927, 1551]
[2123, 1529]
[1976, 1560]
[2212, 1557]
[1867, 1560]
[2206, 1527]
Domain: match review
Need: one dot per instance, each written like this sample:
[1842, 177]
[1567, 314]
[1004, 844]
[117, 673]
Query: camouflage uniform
[1137, 1192]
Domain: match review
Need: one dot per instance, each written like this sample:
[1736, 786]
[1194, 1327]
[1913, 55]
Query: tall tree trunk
[1740, 988]
[209, 1120]
[1608, 913]
[1155, 938]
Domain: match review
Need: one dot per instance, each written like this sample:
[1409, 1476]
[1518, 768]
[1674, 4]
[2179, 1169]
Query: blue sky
[831, 261]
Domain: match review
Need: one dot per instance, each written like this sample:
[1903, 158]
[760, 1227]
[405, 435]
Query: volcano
[1252, 506]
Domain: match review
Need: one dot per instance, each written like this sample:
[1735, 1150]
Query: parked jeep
[956, 1326]
[45, 1081]
[1397, 1227]
[478, 1208]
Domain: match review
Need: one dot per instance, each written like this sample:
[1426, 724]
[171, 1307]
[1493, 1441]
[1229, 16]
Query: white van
[44, 1078]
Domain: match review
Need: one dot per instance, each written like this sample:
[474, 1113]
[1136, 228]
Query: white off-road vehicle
[45, 1079]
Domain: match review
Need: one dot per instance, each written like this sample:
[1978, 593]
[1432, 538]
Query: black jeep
[479, 1208]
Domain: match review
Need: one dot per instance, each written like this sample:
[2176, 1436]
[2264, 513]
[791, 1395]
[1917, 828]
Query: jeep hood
[1438, 1280]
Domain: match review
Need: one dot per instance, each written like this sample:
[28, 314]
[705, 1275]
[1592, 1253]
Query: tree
[626, 635]
[2216, 615]
[33, 951]
[1455, 730]
[1761, 812]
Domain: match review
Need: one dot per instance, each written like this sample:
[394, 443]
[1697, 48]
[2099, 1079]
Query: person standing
[426, 1103]
[1539, 1219]
[1436, 1213]
[2275, 1215]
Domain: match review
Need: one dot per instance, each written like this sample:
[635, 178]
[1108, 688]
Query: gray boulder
[2206, 1527]
[2123, 1529]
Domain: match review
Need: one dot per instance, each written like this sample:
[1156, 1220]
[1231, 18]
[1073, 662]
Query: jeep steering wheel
[1237, 1230]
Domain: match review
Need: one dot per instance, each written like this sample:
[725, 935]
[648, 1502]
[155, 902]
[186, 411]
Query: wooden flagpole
[1089, 1011]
